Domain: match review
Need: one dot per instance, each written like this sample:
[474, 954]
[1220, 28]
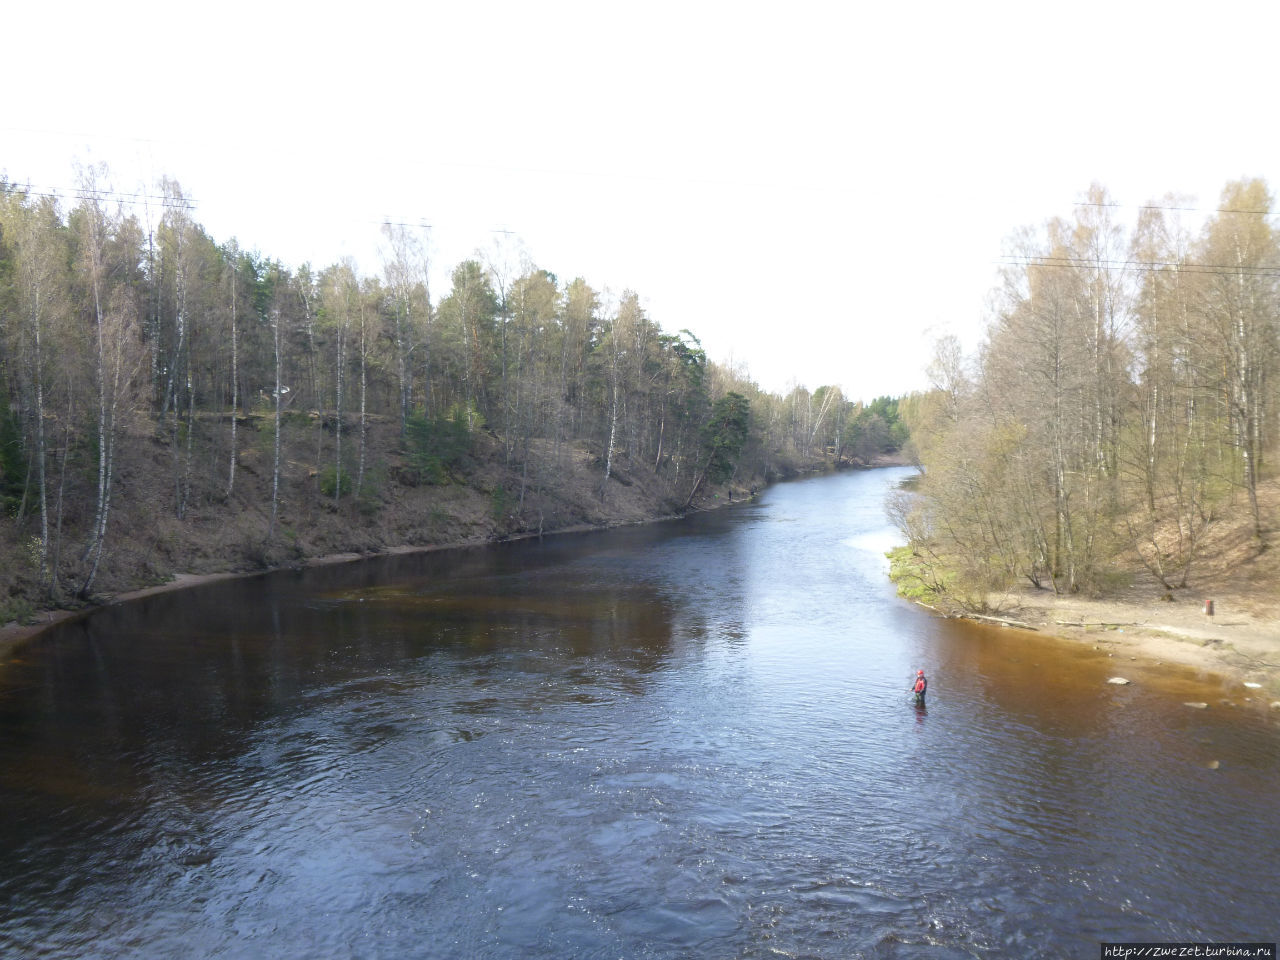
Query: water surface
[690, 739]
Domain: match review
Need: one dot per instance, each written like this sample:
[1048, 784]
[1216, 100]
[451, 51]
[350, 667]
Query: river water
[685, 740]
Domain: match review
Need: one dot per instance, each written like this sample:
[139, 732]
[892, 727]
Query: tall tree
[468, 315]
[40, 257]
[340, 297]
[579, 324]
[405, 274]
[192, 268]
[533, 306]
[723, 437]
[279, 286]
[1166, 450]
[113, 317]
[1240, 306]
[232, 271]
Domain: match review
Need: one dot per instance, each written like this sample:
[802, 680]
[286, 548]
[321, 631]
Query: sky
[818, 191]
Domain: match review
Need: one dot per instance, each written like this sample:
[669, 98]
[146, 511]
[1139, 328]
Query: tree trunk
[364, 429]
[235, 384]
[275, 461]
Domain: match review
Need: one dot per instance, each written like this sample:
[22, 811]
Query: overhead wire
[191, 203]
[1177, 209]
[1146, 266]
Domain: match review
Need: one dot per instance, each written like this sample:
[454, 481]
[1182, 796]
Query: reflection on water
[688, 739]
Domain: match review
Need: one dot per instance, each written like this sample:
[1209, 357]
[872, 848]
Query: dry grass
[1233, 563]
[1144, 619]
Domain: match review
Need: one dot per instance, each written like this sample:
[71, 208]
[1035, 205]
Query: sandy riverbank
[1239, 641]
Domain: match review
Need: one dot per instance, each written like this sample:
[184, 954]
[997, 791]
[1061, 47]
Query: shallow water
[691, 739]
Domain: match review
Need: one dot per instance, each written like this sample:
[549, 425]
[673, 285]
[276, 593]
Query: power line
[100, 194]
[1157, 206]
[1145, 266]
[123, 196]
[191, 203]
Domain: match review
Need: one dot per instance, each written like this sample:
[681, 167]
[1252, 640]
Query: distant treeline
[1123, 403]
[123, 322]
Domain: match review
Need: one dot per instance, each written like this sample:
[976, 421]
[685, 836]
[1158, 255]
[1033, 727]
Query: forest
[1120, 413]
[176, 403]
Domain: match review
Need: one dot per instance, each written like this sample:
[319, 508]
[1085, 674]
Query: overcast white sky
[817, 190]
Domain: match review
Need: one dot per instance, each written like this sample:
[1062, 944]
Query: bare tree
[405, 269]
[1240, 307]
[41, 288]
[277, 341]
[114, 321]
[232, 259]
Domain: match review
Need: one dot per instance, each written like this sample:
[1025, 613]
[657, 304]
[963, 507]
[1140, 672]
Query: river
[691, 739]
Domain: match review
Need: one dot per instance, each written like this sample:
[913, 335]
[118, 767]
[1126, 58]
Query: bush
[500, 504]
[436, 445]
[17, 610]
[914, 577]
[329, 482]
[14, 468]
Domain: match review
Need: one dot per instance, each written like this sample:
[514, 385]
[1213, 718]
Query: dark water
[689, 740]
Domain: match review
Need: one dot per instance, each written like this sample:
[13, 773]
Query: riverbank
[14, 636]
[151, 551]
[1239, 641]
[488, 496]
[1235, 568]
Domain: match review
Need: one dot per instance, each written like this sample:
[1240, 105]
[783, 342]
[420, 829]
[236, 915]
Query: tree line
[124, 325]
[1122, 404]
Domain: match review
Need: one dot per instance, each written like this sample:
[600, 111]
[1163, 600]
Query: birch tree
[405, 269]
[467, 315]
[1239, 307]
[179, 251]
[1168, 448]
[232, 272]
[340, 293]
[40, 255]
[279, 288]
[533, 307]
[113, 318]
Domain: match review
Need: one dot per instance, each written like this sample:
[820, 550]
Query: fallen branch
[1003, 621]
[1100, 623]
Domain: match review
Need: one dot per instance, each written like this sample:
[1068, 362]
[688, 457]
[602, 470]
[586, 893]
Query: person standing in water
[920, 687]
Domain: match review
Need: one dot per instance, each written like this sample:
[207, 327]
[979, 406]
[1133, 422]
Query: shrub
[437, 445]
[329, 482]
